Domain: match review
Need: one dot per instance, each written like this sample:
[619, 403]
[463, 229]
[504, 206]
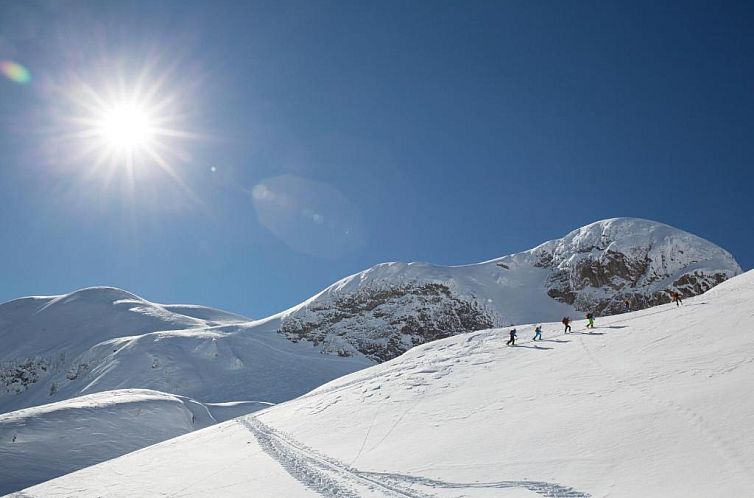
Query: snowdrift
[103, 339]
[84, 349]
[39, 443]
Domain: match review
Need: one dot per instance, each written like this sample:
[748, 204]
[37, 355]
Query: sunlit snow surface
[652, 403]
[84, 377]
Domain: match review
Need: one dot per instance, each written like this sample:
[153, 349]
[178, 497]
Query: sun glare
[127, 127]
[125, 130]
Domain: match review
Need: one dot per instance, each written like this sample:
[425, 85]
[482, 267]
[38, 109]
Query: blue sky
[330, 136]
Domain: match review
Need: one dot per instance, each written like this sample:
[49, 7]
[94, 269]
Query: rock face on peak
[602, 265]
[387, 309]
[383, 320]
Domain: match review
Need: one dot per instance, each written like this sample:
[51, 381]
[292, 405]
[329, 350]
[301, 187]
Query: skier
[512, 340]
[567, 323]
[627, 302]
[537, 333]
[676, 297]
[590, 317]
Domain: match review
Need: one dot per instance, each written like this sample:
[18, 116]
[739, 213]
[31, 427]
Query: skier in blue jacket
[537, 333]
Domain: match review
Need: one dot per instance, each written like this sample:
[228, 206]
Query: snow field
[652, 403]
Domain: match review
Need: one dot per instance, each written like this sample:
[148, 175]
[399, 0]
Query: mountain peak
[389, 308]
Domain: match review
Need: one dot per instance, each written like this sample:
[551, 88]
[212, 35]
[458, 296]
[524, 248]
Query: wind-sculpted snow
[57, 352]
[650, 403]
[102, 339]
[43, 337]
[40, 443]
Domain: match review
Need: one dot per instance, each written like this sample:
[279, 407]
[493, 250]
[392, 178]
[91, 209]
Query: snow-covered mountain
[99, 339]
[387, 309]
[104, 340]
[651, 403]
[84, 349]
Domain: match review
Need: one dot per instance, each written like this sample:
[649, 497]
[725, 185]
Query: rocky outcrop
[382, 322]
[599, 267]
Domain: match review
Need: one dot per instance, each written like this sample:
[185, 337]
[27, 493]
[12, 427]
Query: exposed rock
[383, 323]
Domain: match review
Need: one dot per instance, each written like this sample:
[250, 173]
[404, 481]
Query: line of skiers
[674, 296]
[538, 330]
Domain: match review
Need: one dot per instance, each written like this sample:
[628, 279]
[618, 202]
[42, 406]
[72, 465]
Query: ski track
[479, 337]
[331, 478]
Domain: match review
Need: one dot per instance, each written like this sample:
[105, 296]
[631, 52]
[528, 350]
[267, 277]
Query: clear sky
[304, 141]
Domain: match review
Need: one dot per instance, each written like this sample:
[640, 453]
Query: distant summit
[389, 308]
[599, 266]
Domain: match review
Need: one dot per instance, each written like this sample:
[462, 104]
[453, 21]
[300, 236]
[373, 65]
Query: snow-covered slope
[37, 444]
[210, 315]
[387, 309]
[652, 403]
[99, 339]
[54, 351]
[69, 322]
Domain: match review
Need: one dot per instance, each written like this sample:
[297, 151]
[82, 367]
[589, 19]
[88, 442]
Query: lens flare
[310, 217]
[15, 72]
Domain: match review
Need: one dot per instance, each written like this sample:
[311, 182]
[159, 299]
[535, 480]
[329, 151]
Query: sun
[128, 131]
[121, 128]
[126, 127]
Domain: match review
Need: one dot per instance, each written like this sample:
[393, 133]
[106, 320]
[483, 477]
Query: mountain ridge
[595, 268]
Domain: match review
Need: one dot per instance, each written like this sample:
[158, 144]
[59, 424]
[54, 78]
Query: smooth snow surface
[652, 403]
[39, 443]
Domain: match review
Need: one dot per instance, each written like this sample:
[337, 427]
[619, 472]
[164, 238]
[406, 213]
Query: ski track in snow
[479, 338]
[331, 478]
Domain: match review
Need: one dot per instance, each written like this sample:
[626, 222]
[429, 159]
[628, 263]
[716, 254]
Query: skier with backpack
[676, 298]
[567, 322]
[590, 317]
[537, 333]
[512, 340]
